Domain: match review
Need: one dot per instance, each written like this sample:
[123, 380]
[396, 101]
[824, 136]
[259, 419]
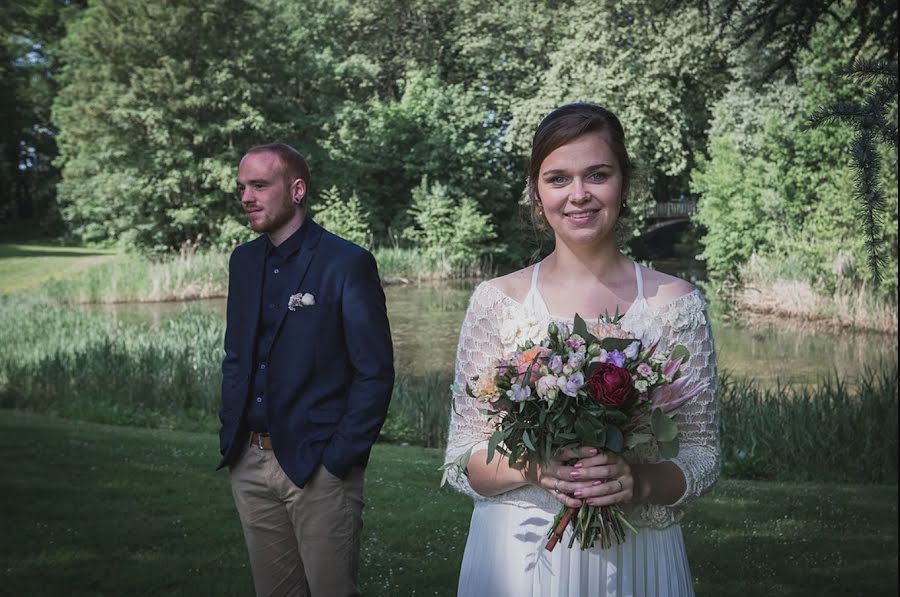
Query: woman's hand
[600, 478]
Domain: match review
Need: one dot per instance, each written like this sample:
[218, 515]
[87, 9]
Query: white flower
[301, 299]
[576, 361]
[632, 350]
[547, 388]
[641, 385]
[514, 330]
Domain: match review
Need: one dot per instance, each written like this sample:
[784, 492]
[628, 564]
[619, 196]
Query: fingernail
[575, 474]
[578, 493]
[577, 465]
[592, 451]
[595, 483]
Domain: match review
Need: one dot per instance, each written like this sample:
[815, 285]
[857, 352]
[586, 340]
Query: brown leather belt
[263, 441]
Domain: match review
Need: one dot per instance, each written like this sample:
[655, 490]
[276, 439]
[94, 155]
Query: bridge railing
[671, 209]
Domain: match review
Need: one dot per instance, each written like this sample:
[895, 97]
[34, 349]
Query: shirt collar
[291, 244]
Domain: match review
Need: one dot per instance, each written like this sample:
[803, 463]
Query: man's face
[269, 198]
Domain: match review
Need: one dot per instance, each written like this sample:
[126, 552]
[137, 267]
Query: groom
[307, 377]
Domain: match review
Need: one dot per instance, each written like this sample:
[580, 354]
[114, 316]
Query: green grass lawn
[26, 265]
[91, 509]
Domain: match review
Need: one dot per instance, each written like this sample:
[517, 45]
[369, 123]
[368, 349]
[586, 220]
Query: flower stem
[559, 529]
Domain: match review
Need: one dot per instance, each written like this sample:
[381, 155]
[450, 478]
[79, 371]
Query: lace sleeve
[698, 418]
[479, 348]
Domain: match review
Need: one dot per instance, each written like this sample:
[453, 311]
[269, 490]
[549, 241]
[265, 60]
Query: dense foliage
[773, 187]
[155, 102]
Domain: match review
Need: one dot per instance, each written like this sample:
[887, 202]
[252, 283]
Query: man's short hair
[292, 160]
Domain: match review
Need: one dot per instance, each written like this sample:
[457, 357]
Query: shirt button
[259, 398]
[271, 305]
[262, 365]
[276, 270]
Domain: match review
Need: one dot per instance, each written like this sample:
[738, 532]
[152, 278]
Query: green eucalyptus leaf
[615, 439]
[611, 344]
[495, 440]
[637, 439]
[680, 352]
[579, 327]
[663, 427]
[668, 449]
[526, 439]
[587, 433]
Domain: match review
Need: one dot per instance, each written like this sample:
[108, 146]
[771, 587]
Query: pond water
[425, 322]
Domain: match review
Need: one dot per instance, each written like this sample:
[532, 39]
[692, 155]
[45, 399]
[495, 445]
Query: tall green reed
[834, 430]
[82, 363]
[199, 275]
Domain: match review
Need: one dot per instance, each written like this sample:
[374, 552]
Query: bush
[345, 217]
[449, 230]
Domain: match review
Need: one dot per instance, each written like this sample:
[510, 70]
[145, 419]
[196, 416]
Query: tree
[449, 230]
[158, 102]
[28, 66]
[658, 71]
[381, 149]
[773, 187]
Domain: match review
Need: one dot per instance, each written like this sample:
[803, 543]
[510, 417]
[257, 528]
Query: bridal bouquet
[594, 385]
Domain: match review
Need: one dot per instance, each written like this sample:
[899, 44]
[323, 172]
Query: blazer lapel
[307, 252]
[254, 286]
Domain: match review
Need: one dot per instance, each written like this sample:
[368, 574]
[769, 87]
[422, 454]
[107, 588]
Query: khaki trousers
[302, 542]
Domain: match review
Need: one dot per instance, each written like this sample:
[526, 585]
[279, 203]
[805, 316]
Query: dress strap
[640, 280]
[534, 275]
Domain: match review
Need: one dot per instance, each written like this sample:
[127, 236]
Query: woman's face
[579, 187]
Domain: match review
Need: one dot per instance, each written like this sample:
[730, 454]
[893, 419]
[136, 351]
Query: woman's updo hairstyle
[564, 125]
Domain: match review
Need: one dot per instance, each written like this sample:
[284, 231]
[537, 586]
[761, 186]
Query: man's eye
[558, 180]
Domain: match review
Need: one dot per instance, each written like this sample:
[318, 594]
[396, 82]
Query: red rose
[610, 385]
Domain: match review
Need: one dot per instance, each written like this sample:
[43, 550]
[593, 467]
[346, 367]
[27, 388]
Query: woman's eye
[599, 176]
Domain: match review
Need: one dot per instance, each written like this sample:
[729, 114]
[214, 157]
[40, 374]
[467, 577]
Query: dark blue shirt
[280, 277]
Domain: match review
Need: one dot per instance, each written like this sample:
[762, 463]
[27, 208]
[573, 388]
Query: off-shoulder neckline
[658, 308]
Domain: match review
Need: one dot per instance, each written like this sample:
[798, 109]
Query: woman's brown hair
[564, 125]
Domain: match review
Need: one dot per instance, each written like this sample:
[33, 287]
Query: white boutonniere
[301, 299]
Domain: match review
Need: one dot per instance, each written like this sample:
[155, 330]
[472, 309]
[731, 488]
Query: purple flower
[519, 393]
[617, 358]
[555, 364]
[570, 385]
[644, 369]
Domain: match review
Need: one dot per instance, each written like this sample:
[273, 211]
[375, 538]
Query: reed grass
[405, 265]
[200, 275]
[764, 291]
[82, 364]
[132, 278]
[835, 430]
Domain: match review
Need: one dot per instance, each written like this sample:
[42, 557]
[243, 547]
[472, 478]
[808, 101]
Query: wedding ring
[556, 487]
[620, 484]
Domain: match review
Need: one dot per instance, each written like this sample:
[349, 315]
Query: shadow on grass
[90, 509]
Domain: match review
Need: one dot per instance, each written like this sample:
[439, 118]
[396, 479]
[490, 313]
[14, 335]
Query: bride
[578, 181]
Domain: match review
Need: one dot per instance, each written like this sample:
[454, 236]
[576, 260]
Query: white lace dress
[505, 553]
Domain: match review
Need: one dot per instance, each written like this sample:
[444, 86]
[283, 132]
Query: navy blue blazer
[330, 367]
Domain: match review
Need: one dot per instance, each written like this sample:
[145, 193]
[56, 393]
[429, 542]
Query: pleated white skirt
[505, 556]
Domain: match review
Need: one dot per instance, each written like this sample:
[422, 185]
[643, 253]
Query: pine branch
[870, 119]
[872, 70]
[865, 154]
[835, 113]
